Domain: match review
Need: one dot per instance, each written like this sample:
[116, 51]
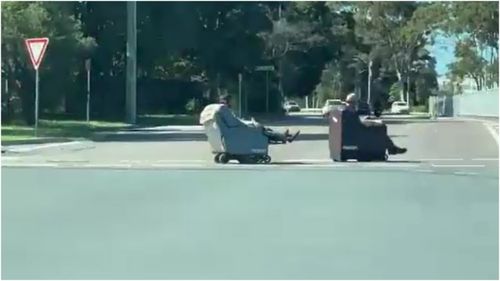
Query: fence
[472, 103]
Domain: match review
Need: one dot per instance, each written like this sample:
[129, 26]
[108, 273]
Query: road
[163, 210]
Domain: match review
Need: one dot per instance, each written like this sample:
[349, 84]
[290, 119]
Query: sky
[443, 51]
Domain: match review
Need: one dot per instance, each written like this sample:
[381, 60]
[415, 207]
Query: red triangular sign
[36, 49]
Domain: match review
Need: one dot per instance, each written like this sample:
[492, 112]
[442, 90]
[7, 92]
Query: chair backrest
[344, 131]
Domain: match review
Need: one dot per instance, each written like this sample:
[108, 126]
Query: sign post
[36, 50]
[87, 67]
[267, 69]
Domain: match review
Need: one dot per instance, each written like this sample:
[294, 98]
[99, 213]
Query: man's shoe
[397, 150]
[292, 138]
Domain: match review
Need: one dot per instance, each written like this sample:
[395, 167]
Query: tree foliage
[188, 52]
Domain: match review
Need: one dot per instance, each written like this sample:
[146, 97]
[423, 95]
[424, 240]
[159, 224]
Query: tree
[21, 20]
[391, 26]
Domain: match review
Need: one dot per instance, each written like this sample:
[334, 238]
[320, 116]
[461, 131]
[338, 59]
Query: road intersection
[161, 209]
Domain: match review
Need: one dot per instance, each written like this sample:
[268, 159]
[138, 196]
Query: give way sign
[36, 49]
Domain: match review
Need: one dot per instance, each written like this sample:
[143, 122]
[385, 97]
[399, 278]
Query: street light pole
[131, 84]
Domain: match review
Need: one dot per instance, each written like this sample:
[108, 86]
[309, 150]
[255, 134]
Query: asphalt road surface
[163, 210]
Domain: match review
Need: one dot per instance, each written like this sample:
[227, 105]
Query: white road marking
[30, 165]
[457, 166]
[67, 161]
[485, 159]
[441, 159]
[465, 173]
[493, 133]
[9, 158]
[390, 165]
[107, 165]
[131, 161]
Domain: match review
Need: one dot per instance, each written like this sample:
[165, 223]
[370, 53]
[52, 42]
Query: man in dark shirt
[351, 101]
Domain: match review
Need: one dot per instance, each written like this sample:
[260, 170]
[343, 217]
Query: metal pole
[369, 81]
[307, 101]
[131, 91]
[267, 91]
[408, 89]
[240, 78]
[36, 103]
[88, 95]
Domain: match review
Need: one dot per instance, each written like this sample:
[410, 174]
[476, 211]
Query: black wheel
[223, 158]
[266, 159]
[216, 158]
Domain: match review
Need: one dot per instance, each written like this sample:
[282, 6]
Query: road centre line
[461, 173]
[457, 166]
[484, 159]
[35, 165]
[441, 159]
[107, 165]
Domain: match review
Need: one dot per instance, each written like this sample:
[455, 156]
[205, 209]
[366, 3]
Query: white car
[400, 107]
[330, 105]
[291, 106]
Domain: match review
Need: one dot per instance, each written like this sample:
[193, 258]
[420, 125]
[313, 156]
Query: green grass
[419, 108]
[167, 119]
[82, 129]
[16, 137]
[56, 128]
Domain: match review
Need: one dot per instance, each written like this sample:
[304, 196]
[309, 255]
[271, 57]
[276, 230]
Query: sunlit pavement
[163, 210]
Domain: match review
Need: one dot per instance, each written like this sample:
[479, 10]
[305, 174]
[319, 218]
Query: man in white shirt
[273, 136]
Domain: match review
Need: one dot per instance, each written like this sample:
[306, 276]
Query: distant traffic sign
[36, 49]
[265, 68]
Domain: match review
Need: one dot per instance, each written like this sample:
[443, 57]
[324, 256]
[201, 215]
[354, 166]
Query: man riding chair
[351, 101]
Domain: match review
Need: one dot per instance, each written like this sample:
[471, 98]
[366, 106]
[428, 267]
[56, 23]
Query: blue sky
[443, 50]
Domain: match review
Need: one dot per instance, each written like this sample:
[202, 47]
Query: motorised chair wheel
[266, 159]
[216, 158]
[223, 158]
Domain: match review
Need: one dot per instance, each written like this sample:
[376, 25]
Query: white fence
[472, 103]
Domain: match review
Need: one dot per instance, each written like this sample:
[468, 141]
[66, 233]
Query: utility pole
[87, 67]
[369, 81]
[131, 84]
[240, 100]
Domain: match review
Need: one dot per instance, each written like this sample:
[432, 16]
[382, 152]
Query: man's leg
[280, 137]
[392, 148]
[389, 144]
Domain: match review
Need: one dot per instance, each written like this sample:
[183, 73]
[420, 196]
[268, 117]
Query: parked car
[291, 106]
[400, 107]
[330, 105]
